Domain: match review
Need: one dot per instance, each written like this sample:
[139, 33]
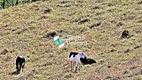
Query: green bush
[7, 3]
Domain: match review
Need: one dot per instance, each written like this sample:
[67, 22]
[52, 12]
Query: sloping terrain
[24, 29]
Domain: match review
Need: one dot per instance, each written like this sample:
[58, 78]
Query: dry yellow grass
[23, 30]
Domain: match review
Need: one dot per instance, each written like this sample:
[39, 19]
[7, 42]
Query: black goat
[20, 63]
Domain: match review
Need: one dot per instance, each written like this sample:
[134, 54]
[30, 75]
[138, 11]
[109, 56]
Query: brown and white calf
[76, 58]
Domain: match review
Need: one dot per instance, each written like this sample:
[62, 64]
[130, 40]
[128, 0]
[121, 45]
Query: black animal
[125, 34]
[76, 58]
[20, 63]
[52, 34]
[87, 61]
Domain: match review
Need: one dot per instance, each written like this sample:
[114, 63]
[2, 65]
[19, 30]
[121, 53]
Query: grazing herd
[75, 58]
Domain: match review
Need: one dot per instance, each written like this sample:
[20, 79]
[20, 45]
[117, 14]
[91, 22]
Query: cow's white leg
[76, 67]
[70, 64]
[23, 66]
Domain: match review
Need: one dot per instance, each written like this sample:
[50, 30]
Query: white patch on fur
[77, 57]
[21, 56]
[56, 38]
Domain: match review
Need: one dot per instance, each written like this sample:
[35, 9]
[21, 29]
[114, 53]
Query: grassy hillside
[24, 29]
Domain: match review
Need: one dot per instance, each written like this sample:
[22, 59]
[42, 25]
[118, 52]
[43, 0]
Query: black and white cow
[20, 63]
[76, 58]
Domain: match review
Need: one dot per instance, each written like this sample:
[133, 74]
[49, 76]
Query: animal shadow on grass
[14, 73]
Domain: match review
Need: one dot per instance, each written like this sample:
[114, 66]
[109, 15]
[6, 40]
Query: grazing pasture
[24, 29]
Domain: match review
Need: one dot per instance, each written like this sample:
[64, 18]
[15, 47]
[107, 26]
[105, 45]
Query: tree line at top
[7, 3]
